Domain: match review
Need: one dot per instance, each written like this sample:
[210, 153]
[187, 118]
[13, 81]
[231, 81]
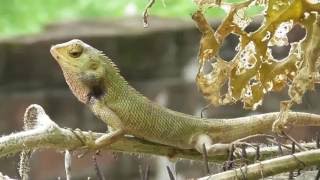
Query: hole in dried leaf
[207, 67]
[228, 49]
[255, 24]
[296, 34]
[224, 89]
[280, 52]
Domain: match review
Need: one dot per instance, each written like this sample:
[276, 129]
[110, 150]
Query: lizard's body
[95, 81]
[144, 119]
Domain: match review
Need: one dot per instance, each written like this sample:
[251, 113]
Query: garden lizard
[96, 81]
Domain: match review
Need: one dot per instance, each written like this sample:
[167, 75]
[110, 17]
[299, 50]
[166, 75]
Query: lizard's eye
[75, 51]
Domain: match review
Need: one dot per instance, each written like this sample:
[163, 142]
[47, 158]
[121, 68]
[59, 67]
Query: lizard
[96, 81]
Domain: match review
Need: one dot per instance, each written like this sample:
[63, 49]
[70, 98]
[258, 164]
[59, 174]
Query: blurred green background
[29, 16]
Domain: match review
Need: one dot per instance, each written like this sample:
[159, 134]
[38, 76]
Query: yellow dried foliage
[253, 72]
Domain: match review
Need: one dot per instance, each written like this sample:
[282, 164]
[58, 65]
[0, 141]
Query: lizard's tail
[229, 130]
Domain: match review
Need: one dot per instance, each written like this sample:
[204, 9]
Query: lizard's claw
[87, 141]
[86, 145]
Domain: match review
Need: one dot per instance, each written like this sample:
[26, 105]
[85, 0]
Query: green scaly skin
[96, 81]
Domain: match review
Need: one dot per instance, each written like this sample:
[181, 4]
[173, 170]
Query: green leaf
[216, 12]
[254, 10]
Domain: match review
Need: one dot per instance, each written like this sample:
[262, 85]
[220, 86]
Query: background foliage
[29, 16]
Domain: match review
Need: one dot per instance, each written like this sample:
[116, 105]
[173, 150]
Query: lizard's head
[84, 68]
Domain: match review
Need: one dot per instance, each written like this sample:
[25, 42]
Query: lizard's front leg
[103, 112]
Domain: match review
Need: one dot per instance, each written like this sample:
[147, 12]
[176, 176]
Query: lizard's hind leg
[211, 148]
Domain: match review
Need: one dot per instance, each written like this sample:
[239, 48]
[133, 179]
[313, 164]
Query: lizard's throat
[77, 87]
[84, 91]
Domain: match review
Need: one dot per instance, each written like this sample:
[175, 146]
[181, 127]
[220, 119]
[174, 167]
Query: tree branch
[271, 167]
[44, 133]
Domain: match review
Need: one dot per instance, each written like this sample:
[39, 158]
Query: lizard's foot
[87, 141]
[218, 149]
[234, 148]
[108, 138]
[212, 149]
[81, 137]
[204, 140]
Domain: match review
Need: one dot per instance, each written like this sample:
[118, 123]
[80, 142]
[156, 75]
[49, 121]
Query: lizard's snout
[54, 53]
[52, 49]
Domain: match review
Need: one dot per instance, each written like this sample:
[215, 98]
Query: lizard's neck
[119, 89]
[116, 89]
[115, 92]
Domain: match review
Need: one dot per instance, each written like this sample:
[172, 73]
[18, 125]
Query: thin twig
[244, 173]
[146, 13]
[279, 147]
[144, 171]
[141, 172]
[205, 158]
[171, 176]
[279, 144]
[254, 136]
[115, 155]
[293, 150]
[244, 154]
[318, 147]
[257, 153]
[99, 174]
[147, 172]
[229, 163]
[295, 141]
[204, 109]
[318, 175]
[318, 140]
[261, 171]
[67, 164]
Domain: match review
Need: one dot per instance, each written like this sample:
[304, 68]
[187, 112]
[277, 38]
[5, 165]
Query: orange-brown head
[84, 68]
